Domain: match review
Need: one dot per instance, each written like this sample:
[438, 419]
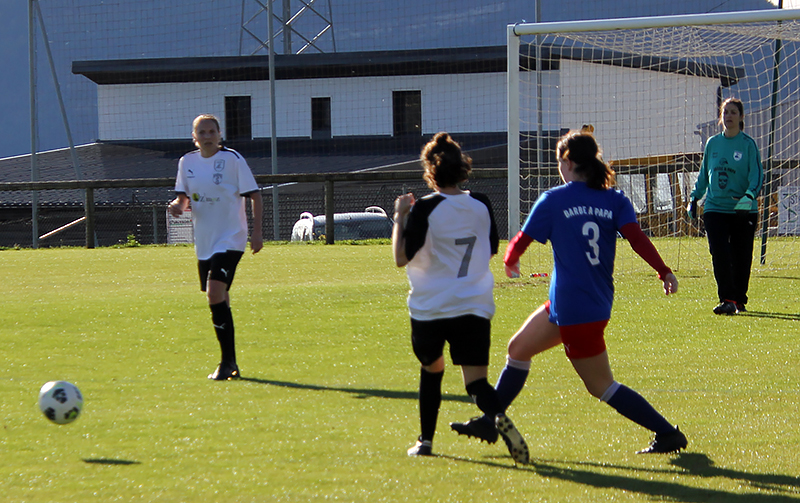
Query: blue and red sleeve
[516, 247]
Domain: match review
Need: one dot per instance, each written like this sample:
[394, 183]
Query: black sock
[485, 397]
[222, 319]
[430, 398]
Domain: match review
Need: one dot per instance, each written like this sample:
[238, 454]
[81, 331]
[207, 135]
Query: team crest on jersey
[217, 178]
[219, 165]
[737, 156]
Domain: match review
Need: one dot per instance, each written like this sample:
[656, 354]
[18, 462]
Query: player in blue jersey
[445, 240]
[581, 219]
[730, 177]
[215, 181]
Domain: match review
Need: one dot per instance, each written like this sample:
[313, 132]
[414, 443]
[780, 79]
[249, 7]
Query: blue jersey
[581, 223]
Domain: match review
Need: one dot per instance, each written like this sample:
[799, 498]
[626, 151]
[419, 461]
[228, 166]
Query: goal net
[651, 88]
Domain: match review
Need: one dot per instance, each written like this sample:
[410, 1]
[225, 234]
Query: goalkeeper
[730, 177]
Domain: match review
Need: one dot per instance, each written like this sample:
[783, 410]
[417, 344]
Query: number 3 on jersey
[592, 231]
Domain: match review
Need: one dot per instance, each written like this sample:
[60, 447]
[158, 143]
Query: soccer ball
[60, 401]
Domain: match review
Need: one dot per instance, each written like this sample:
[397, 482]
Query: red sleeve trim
[642, 245]
[516, 247]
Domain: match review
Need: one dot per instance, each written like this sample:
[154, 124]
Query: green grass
[328, 406]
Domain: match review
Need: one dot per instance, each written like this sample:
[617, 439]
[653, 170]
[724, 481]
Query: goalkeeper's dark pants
[730, 241]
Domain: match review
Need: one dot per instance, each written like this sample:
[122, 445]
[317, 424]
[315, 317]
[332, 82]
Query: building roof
[459, 60]
[295, 66]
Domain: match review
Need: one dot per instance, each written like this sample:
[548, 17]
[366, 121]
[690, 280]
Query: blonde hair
[204, 117]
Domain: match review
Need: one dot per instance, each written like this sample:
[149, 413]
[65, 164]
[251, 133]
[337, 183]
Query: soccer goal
[650, 88]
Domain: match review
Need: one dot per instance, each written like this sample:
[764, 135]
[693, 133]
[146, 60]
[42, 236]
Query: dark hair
[739, 105]
[581, 148]
[445, 165]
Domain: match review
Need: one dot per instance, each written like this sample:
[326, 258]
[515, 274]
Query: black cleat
[481, 427]
[725, 307]
[514, 441]
[421, 448]
[225, 372]
[740, 308]
[665, 443]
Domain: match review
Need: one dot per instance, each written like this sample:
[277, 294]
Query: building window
[407, 112]
[238, 118]
[320, 118]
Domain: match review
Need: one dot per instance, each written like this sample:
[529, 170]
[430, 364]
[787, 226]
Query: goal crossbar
[635, 23]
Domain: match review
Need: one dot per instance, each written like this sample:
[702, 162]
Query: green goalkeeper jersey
[731, 168]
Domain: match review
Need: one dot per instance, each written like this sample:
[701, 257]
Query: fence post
[155, 225]
[329, 237]
[89, 212]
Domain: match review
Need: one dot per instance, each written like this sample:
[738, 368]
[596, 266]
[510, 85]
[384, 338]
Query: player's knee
[435, 367]
[217, 292]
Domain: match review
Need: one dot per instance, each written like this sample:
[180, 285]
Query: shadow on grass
[356, 392]
[106, 461]
[784, 488]
[762, 314]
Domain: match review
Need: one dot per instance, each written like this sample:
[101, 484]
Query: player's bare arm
[257, 207]
[178, 205]
[402, 206]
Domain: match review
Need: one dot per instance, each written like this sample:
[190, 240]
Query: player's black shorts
[219, 267]
[469, 337]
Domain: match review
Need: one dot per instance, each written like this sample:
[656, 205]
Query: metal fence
[108, 212]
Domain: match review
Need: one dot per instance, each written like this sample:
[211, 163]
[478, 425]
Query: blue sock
[633, 406]
[511, 381]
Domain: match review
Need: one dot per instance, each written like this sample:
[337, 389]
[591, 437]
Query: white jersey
[215, 186]
[449, 241]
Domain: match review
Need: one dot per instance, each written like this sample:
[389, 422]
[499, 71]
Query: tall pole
[287, 31]
[512, 61]
[539, 115]
[32, 91]
[273, 153]
[75, 164]
[773, 109]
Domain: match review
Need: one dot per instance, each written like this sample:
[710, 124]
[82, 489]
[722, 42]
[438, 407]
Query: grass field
[328, 405]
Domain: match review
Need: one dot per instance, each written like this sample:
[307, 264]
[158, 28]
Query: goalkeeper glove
[692, 209]
[745, 204]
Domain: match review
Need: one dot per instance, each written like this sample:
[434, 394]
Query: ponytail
[581, 148]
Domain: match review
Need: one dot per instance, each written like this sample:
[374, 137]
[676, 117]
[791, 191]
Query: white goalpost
[651, 87]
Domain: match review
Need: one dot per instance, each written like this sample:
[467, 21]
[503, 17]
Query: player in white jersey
[215, 181]
[446, 240]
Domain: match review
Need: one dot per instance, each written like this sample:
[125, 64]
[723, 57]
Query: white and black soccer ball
[60, 401]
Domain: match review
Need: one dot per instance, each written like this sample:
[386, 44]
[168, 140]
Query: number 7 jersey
[449, 240]
[581, 223]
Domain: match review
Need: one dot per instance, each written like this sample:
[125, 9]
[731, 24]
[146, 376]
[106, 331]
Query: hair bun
[442, 139]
